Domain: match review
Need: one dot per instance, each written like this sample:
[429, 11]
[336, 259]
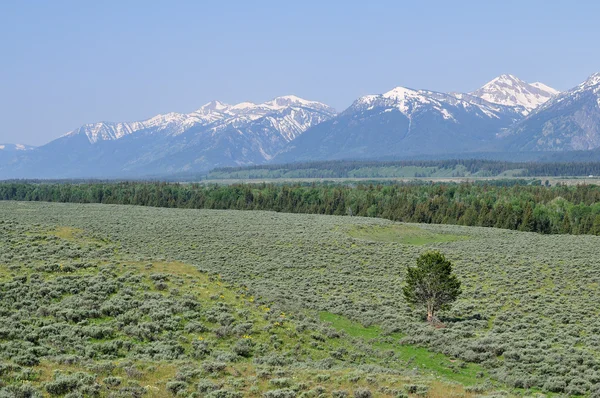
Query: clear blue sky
[65, 63]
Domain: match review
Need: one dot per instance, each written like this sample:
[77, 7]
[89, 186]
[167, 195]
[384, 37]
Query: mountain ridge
[569, 121]
[174, 123]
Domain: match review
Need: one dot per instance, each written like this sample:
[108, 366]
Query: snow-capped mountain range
[504, 114]
[405, 121]
[215, 115]
[217, 134]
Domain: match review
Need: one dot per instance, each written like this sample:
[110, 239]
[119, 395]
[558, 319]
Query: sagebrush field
[133, 301]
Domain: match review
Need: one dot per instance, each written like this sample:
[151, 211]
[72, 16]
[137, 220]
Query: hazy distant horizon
[64, 65]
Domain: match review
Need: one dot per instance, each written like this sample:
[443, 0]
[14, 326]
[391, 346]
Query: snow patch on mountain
[545, 88]
[15, 147]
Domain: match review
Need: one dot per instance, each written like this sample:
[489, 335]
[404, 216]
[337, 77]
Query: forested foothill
[409, 168]
[107, 300]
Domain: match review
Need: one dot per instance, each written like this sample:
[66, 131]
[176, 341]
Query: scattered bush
[281, 393]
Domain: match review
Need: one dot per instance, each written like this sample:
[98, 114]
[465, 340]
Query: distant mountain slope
[511, 91]
[9, 153]
[570, 121]
[404, 121]
[215, 135]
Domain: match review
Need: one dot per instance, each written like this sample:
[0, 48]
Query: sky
[67, 63]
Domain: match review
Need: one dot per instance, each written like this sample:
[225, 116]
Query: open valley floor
[140, 301]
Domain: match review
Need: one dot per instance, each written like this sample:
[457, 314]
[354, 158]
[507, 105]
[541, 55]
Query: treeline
[548, 210]
[346, 169]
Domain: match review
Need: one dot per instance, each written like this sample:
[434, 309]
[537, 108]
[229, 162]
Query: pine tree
[431, 284]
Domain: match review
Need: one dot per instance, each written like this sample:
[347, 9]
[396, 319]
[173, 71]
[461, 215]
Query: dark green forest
[534, 208]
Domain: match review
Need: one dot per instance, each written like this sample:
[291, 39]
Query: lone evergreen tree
[431, 283]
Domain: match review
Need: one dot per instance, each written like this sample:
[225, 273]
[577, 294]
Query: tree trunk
[430, 314]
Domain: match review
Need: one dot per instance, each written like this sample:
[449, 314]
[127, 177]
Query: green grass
[436, 364]
[351, 328]
[401, 233]
[420, 358]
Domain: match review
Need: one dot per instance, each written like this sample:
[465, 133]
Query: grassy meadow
[108, 300]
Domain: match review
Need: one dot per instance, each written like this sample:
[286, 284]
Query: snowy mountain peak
[509, 90]
[214, 106]
[292, 100]
[244, 106]
[401, 93]
[248, 107]
[408, 101]
[508, 79]
[593, 80]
